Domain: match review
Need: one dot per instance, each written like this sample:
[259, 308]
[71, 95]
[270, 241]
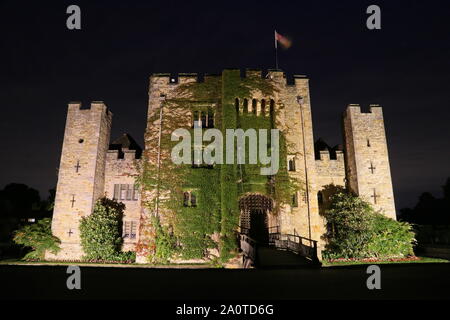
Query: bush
[39, 238]
[101, 232]
[392, 238]
[355, 230]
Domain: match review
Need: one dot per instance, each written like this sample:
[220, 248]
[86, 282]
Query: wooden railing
[293, 242]
[248, 247]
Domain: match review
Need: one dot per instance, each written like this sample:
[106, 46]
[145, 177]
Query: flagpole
[276, 57]
[276, 51]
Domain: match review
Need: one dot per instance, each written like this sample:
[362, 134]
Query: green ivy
[165, 243]
[218, 188]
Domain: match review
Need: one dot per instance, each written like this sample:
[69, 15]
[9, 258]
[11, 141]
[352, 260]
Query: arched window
[245, 106]
[210, 118]
[254, 106]
[291, 164]
[196, 120]
[272, 105]
[203, 119]
[236, 104]
[193, 200]
[272, 108]
[263, 106]
[186, 199]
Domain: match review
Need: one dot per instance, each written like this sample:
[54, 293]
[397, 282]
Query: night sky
[405, 67]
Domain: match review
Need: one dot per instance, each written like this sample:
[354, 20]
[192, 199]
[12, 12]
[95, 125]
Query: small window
[186, 199]
[320, 198]
[196, 122]
[126, 192]
[368, 143]
[263, 106]
[126, 229]
[245, 106]
[272, 109]
[123, 191]
[116, 192]
[254, 106]
[135, 192]
[129, 229]
[193, 200]
[291, 164]
[236, 104]
[133, 230]
[210, 123]
[203, 118]
[295, 200]
[189, 199]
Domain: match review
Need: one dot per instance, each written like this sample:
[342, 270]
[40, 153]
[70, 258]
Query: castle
[92, 167]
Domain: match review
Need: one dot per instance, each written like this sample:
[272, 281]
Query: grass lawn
[118, 265]
[326, 263]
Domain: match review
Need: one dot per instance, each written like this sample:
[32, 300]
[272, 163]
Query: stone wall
[367, 159]
[88, 170]
[81, 173]
[293, 118]
[330, 171]
[124, 171]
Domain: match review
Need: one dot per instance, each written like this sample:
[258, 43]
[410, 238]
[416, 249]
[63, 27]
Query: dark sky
[405, 67]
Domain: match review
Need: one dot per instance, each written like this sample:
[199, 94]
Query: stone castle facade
[92, 167]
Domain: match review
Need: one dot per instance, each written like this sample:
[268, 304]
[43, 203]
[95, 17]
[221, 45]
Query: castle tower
[294, 118]
[367, 162]
[81, 175]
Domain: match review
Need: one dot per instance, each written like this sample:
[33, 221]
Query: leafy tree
[18, 200]
[430, 210]
[355, 230]
[39, 237]
[100, 232]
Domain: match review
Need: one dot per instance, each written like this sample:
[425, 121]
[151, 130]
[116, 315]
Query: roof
[125, 141]
[321, 145]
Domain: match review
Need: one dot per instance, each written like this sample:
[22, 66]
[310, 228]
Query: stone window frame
[126, 192]
[201, 117]
[190, 199]
[293, 159]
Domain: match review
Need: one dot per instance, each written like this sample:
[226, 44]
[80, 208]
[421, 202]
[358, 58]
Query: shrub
[355, 230]
[39, 238]
[392, 238]
[101, 232]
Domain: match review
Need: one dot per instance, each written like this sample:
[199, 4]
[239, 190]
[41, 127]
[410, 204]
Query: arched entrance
[255, 210]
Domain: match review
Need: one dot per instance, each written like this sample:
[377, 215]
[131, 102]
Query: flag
[285, 42]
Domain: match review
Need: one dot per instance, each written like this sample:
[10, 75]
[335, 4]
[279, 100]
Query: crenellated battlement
[181, 78]
[122, 155]
[326, 156]
[95, 106]
[374, 109]
[330, 170]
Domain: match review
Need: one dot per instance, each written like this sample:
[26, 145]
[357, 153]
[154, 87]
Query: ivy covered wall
[212, 223]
